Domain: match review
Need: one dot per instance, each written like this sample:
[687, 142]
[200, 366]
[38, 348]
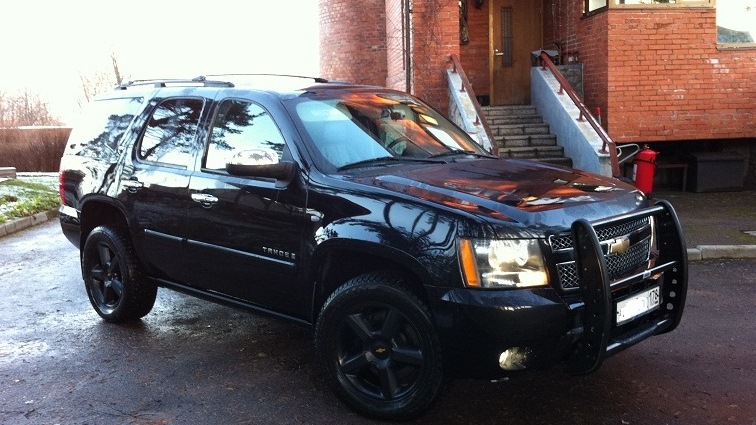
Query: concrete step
[526, 141]
[519, 129]
[519, 132]
[497, 111]
[530, 152]
[508, 120]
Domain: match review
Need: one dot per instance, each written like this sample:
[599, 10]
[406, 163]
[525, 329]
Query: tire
[379, 348]
[113, 279]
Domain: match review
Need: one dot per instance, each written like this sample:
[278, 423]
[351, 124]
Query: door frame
[492, 8]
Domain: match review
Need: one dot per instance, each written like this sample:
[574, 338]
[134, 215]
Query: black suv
[361, 212]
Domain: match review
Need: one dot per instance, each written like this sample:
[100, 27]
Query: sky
[47, 45]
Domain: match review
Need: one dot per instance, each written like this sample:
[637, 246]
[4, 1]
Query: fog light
[514, 358]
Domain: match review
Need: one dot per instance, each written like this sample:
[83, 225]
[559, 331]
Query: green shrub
[20, 198]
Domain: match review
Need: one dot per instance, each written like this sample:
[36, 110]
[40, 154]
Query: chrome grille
[604, 233]
[617, 264]
[568, 275]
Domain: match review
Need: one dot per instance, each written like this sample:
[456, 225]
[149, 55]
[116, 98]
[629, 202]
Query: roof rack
[218, 80]
[200, 81]
[315, 79]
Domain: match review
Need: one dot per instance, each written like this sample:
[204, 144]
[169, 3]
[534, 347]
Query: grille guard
[596, 342]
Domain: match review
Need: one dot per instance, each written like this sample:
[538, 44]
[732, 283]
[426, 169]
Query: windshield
[355, 127]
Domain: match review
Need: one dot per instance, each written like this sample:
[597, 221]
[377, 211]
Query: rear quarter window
[170, 136]
[102, 126]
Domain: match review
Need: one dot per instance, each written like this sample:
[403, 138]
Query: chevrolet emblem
[619, 245]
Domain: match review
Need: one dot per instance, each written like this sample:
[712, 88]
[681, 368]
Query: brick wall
[396, 63]
[353, 40]
[592, 47]
[668, 81]
[435, 37]
[656, 73]
[360, 43]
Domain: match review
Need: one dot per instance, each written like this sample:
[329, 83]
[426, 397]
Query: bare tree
[25, 109]
[100, 81]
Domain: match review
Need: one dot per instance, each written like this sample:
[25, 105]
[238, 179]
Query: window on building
[593, 5]
[736, 22]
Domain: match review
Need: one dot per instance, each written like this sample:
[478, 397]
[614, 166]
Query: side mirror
[261, 163]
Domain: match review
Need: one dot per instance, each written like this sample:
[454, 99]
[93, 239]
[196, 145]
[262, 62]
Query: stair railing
[608, 146]
[480, 119]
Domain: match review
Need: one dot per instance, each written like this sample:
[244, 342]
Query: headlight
[510, 263]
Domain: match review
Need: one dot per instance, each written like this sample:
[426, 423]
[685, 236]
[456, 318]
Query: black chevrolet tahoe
[360, 212]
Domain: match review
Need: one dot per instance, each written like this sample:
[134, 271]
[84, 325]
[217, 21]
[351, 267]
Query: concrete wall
[462, 111]
[579, 140]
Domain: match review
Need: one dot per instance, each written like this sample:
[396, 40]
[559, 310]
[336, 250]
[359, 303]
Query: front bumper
[489, 334]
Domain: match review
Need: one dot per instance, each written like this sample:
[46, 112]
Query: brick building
[680, 74]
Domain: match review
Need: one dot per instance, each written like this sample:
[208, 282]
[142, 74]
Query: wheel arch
[99, 210]
[336, 262]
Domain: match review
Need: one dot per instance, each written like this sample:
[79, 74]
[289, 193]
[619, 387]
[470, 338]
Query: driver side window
[240, 126]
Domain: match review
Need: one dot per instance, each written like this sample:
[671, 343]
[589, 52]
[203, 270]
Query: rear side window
[170, 136]
[102, 126]
[241, 126]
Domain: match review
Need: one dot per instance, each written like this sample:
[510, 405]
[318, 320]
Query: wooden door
[516, 31]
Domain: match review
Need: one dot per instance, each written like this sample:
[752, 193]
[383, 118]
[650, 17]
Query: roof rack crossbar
[165, 82]
[315, 79]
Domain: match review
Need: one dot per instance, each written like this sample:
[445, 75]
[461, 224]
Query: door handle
[204, 199]
[132, 185]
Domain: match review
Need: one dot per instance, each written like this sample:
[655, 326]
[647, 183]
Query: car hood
[530, 193]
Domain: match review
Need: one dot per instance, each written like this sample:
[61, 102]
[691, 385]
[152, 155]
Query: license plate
[637, 305]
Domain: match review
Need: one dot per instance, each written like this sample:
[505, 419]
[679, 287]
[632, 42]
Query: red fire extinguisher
[644, 169]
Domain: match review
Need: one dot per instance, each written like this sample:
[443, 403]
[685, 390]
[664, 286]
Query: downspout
[406, 11]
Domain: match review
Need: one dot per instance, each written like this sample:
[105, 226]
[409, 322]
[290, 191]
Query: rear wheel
[378, 345]
[113, 279]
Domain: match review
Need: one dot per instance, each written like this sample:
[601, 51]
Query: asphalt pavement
[716, 224]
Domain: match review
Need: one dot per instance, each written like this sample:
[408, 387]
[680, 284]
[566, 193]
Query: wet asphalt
[193, 362]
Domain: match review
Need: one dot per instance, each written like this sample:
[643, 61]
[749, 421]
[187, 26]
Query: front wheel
[379, 348]
[113, 279]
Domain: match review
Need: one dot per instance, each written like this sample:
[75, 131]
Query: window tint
[171, 133]
[102, 126]
[240, 126]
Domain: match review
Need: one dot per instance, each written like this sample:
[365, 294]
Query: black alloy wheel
[379, 348]
[113, 279]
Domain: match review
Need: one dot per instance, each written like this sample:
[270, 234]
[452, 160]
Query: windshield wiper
[457, 152]
[383, 160]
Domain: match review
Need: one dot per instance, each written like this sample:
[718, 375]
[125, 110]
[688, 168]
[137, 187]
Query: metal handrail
[564, 86]
[466, 86]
